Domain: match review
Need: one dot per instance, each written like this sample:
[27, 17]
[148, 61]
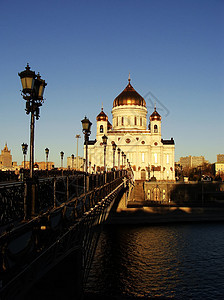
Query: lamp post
[47, 153]
[24, 149]
[62, 156]
[122, 155]
[78, 136]
[86, 129]
[32, 92]
[119, 152]
[104, 138]
[114, 149]
[124, 160]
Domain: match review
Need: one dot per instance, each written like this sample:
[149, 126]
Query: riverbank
[161, 215]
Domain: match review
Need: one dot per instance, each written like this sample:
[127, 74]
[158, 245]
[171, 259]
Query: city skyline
[85, 51]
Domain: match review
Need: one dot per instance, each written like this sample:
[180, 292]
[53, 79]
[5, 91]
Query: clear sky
[85, 51]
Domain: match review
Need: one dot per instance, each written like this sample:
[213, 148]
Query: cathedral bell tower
[102, 124]
[155, 123]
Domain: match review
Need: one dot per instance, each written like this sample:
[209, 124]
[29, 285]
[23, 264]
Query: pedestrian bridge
[44, 222]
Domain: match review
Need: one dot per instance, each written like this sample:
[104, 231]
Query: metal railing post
[33, 197]
[25, 201]
[55, 192]
[67, 191]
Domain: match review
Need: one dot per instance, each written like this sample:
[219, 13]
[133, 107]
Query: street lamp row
[24, 150]
[86, 128]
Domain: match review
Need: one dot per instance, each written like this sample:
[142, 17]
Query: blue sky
[85, 51]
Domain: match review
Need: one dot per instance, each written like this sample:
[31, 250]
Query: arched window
[155, 128]
[141, 121]
[122, 121]
[117, 121]
[135, 121]
[101, 128]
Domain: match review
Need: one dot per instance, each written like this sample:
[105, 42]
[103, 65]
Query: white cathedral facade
[148, 154]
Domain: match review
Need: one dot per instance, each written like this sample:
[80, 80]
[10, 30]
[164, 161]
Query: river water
[169, 261]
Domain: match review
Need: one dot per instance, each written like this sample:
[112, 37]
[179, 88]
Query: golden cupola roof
[102, 116]
[155, 116]
[129, 96]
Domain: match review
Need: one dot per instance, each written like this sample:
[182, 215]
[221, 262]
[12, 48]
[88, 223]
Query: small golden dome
[102, 116]
[155, 116]
[129, 96]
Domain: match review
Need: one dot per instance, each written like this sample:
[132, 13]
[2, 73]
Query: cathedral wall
[129, 117]
[144, 157]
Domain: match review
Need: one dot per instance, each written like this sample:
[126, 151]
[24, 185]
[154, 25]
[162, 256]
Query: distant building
[219, 166]
[42, 165]
[185, 161]
[75, 163]
[220, 158]
[6, 159]
[192, 161]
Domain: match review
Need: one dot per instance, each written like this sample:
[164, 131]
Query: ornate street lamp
[32, 92]
[73, 156]
[122, 155]
[78, 136]
[104, 138]
[86, 129]
[124, 160]
[119, 152]
[47, 153]
[24, 149]
[62, 156]
[114, 149]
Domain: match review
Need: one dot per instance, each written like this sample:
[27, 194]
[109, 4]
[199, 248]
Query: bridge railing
[49, 193]
[23, 245]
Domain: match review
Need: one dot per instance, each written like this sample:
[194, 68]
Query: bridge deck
[32, 249]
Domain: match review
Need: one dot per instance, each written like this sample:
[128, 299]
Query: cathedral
[147, 153]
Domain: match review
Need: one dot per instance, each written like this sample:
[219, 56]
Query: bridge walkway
[32, 249]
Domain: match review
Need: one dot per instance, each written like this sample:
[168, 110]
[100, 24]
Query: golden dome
[102, 116]
[155, 116]
[129, 96]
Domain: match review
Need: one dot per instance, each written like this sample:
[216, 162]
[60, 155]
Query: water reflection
[162, 261]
